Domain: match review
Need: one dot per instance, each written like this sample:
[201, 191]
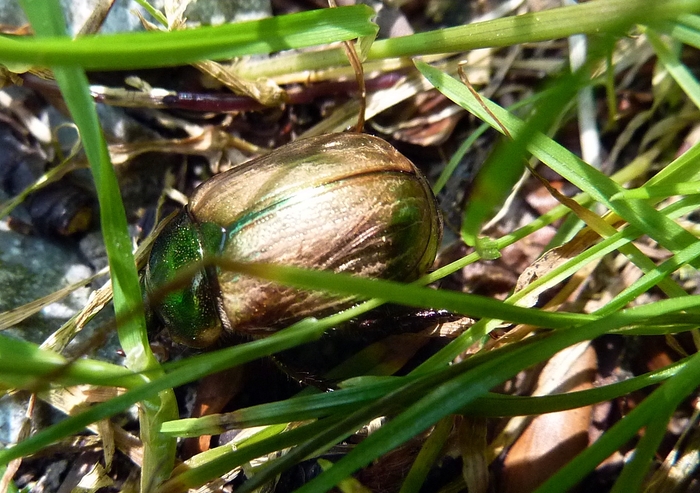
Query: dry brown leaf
[551, 260]
[213, 393]
[95, 479]
[211, 142]
[551, 440]
[106, 432]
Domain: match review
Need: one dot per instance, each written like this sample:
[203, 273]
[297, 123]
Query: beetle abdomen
[342, 202]
[387, 233]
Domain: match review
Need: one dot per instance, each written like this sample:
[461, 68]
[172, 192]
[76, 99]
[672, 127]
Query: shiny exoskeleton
[346, 203]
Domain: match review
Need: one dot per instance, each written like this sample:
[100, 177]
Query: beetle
[346, 202]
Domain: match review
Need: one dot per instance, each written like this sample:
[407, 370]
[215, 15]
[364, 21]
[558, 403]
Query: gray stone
[122, 19]
[32, 267]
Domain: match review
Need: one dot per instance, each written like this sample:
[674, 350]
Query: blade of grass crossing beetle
[159, 450]
[184, 372]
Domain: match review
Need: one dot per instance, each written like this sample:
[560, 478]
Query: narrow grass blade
[585, 18]
[596, 184]
[159, 450]
[163, 49]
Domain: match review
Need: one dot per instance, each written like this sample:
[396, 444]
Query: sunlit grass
[435, 390]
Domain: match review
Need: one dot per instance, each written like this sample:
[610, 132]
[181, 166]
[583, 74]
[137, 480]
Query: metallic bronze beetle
[341, 202]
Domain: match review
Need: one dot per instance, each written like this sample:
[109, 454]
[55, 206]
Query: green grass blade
[26, 365]
[492, 405]
[47, 21]
[155, 13]
[683, 168]
[226, 459]
[159, 450]
[605, 16]
[585, 18]
[597, 185]
[293, 409]
[192, 369]
[428, 455]
[617, 241]
[633, 474]
[660, 191]
[456, 393]
[505, 165]
[347, 400]
[624, 175]
[675, 67]
[654, 407]
[162, 49]
[686, 29]
[481, 370]
[652, 278]
[404, 294]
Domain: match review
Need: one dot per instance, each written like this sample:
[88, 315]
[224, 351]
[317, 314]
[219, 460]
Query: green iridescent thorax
[186, 304]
